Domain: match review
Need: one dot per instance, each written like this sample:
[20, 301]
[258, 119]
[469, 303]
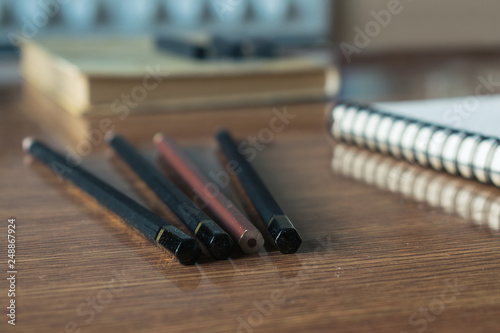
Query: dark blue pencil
[141, 219]
[285, 235]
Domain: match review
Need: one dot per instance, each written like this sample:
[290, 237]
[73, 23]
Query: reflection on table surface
[468, 199]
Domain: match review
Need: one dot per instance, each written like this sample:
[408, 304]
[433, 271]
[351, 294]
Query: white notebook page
[476, 114]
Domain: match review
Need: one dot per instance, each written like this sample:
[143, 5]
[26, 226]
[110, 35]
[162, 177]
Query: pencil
[145, 222]
[242, 231]
[218, 243]
[283, 232]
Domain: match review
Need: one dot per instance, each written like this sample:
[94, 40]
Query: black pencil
[145, 222]
[218, 243]
[283, 232]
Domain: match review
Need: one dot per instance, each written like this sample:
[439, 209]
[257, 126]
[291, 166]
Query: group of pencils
[218, 235]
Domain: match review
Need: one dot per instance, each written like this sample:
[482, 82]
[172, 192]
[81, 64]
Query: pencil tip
[251, 241]
[27, 142]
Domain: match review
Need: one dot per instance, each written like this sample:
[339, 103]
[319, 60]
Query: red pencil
[231, 219]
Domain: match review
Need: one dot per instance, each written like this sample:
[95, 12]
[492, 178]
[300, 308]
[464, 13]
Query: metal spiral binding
[468, 154]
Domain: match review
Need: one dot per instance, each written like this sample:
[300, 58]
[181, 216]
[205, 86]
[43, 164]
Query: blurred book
[104, 76]
[456, 135]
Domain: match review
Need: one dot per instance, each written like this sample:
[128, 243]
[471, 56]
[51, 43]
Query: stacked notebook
[460, 136]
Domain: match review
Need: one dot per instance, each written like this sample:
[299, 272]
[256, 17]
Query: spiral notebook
[458, 135]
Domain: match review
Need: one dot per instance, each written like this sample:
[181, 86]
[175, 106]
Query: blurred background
[33, 19]
[441, 46]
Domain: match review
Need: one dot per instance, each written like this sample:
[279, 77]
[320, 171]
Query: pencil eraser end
[27, 142]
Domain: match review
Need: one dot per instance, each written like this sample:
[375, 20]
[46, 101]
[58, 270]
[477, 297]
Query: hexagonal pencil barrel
[141, 219]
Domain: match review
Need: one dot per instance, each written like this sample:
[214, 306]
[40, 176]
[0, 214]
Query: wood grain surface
[371, 260]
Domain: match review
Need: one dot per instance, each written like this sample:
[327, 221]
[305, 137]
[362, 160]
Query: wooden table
[371, 260]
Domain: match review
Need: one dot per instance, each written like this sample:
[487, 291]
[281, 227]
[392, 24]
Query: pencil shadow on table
[287, 266]
[185, 278]
[220, 272]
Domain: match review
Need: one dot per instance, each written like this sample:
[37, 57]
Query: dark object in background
[203, 46]
[217, 242]
[241, 48]
[285, 235]
[191, 45]
[155, 229]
